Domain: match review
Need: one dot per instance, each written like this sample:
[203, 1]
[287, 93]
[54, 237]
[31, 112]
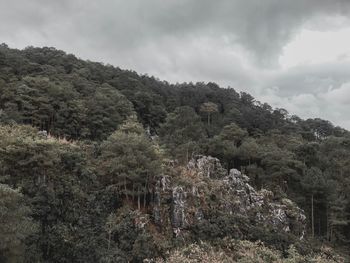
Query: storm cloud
[235, 43]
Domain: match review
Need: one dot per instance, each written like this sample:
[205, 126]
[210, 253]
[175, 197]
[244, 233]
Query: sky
[293, 54]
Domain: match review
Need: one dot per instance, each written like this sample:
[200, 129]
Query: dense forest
[100, 164]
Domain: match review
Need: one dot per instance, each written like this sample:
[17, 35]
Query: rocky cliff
[205, 189]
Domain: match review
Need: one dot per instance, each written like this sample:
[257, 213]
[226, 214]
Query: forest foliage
[82, 145]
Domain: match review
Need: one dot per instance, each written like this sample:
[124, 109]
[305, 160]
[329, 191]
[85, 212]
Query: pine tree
[130, 161]
[182, 132]
[209, 108]
[15, 224]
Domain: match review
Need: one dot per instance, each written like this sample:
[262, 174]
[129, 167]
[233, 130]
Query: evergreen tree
[130, 161]
[182, 132]
[15, 224]
[209, 108]
[314, 184]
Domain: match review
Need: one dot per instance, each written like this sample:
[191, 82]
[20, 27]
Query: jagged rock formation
[207, 166]
[205, 185]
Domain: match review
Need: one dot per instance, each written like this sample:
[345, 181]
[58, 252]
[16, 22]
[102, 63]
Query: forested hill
[66, 96]
[85, 149]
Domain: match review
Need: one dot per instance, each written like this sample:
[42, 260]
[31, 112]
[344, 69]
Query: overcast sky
[293, 54]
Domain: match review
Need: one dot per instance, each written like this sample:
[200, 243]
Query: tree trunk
[312, 216]
[126, 193]
[145, 193]
[187, 153]
[138, 198]
[109, 239]
[319, 226]
[327, 223]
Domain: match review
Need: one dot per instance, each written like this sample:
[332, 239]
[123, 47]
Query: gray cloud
[233, 42]
[333, 104]
[262, 27]
[314, 79]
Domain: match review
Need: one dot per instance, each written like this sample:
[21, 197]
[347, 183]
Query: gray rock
[233, 194]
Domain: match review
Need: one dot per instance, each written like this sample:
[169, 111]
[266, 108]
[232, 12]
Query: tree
[282, 168]
[15, 224]
[338, 215]
[149, 108]
[106, 110]
[52, 177]
[249, 150]
[320, 128]
[182, 132]
[209, 108]
[314, 183]
[130, 161]
[226, 144]
[233, 133]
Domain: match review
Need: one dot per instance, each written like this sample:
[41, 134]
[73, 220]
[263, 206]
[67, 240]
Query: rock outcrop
[205, 185]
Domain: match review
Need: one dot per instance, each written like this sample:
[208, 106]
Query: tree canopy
[95, 161]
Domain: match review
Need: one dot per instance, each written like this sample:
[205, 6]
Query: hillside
[100, 164]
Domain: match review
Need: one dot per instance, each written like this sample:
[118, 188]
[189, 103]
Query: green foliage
[226, 145]
[106, 110]
[130, 161]
[51, 176]
[209, 108]
[15, 224]
[182, 132]
[133, 241]
[75, 181]
[244, 252]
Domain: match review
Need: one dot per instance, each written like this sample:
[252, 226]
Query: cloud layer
[233, 42]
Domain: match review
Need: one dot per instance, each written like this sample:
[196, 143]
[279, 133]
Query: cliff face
[205, 187]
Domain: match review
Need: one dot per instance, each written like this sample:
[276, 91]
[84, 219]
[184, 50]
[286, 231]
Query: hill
[105, 165]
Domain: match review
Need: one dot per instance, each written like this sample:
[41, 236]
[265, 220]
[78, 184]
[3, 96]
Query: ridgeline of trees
[71, 192]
